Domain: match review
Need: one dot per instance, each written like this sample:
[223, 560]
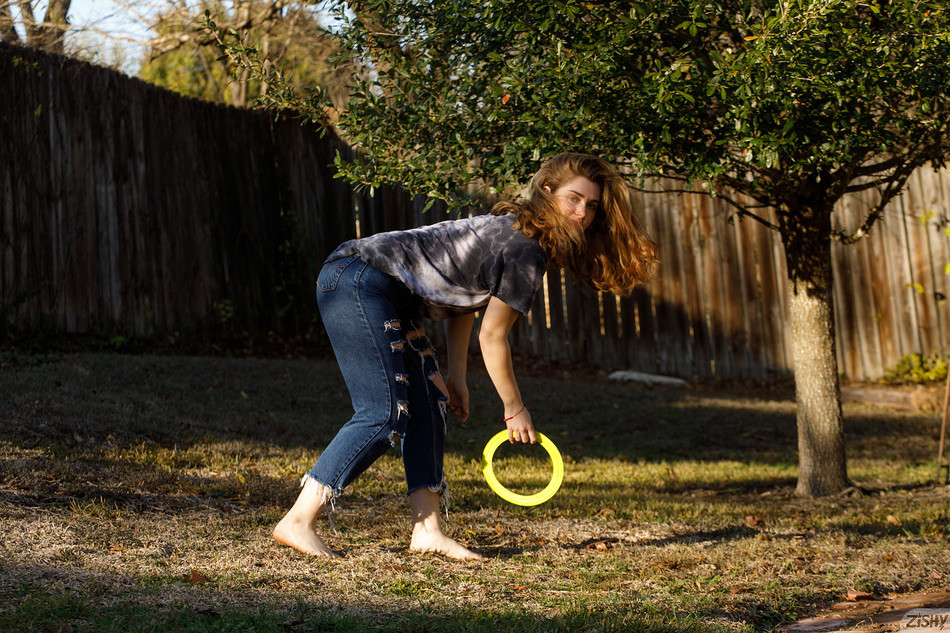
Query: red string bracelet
[523, 407]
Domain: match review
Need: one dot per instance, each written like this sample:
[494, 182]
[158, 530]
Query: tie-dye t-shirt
[456, 266]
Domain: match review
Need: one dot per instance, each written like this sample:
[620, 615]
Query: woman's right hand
[520, 428]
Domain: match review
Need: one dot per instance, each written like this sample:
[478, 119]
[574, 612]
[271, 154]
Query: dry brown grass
[138, 492]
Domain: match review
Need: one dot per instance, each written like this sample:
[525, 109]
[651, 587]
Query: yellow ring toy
[557, 474]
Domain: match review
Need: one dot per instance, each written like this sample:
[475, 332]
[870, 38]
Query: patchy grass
[137, 493]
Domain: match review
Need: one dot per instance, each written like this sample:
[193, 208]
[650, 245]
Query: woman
[371, 292]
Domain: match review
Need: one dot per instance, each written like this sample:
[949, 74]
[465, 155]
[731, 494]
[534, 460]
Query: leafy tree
[779, 107]
[47, 34]
[286, 36]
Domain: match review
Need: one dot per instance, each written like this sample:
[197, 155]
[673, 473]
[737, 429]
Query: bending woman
[372, 292]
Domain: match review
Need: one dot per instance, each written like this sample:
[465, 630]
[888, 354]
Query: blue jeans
[391, 373]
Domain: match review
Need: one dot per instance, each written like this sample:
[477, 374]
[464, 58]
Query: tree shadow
[84, 402]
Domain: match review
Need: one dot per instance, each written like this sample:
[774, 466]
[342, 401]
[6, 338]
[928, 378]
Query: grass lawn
[137, 493]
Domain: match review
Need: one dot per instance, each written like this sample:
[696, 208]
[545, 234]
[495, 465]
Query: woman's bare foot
[297, 530]
[439, 543]
[427, 535]
[301, 536]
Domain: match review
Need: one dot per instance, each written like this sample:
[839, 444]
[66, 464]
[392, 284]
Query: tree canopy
[758, 96]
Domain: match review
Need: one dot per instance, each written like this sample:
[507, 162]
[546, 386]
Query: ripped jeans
[391, 373]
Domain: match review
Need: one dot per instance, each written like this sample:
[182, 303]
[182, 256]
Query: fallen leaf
[196, 578]
[505, 99]
[499, 530]
[753, 520]
[893, 520]
[854, 595]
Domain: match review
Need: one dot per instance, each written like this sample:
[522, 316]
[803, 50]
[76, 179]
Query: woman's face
[578, 200]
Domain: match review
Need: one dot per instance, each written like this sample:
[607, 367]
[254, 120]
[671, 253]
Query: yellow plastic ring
[557, 474]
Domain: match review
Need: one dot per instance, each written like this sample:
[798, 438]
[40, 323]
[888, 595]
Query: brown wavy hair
[615, 253]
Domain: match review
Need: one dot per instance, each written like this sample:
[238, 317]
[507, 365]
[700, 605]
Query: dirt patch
[871, 616]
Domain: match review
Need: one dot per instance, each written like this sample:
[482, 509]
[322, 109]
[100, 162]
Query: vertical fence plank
[673, 338]
[559, 343]
[769, 253]
[694, 270]
[751, 299]
[938, 191]
[922, 200]
[845, 298]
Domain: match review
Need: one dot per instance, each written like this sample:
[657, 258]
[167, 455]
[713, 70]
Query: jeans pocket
[331, 272]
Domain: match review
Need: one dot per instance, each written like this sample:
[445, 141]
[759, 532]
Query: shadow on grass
[134, 430]
[77, 403]
[65, 600]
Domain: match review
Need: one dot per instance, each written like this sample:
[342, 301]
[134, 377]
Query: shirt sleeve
[521, 270]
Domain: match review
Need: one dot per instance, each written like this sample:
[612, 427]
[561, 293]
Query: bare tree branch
[891, 190]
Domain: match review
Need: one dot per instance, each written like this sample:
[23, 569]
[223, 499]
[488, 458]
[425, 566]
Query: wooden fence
[126, 209]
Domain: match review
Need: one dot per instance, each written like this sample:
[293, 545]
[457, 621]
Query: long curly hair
[615, 253]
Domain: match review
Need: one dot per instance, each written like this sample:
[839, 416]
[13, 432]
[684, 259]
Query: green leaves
[759, 95]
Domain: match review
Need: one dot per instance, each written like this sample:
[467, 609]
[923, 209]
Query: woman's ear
[546, 188]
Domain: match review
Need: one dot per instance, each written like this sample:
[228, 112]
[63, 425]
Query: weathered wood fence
[126, 209]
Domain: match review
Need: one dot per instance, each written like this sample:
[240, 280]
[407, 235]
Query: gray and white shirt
[456, 266]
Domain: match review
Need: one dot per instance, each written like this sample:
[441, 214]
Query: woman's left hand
[458, 398]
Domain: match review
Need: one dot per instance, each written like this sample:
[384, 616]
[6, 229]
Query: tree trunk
[8, 32]
[53, 29]
[807, 239]
[30, 29]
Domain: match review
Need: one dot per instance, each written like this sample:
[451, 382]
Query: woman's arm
[493, 339]
[458, 332]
